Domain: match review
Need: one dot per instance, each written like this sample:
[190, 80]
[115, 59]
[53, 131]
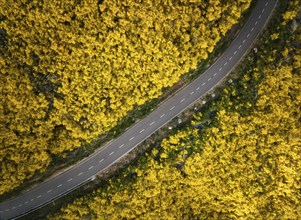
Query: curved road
[85, 170]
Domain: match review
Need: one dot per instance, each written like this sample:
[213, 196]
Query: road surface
[85, 170]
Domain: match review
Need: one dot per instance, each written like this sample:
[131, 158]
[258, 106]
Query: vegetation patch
[72, 70]
[239, 157]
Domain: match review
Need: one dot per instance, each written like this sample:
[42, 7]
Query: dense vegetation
[245, 164]
[70, 70]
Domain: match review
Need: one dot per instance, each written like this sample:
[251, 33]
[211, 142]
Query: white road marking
[248, 35]
[26, 202]
[119, 147]
[198, 88]
[20, 205]
[266, 4]
[69, 180]
[244, 41]
[49, 191]
[39, 196]
[209, 79]
[172, 108]
[230, 58]
[191, 93]
[239, 47]
[141, 131]
[31, 200]
[225, 63]
[91, 167]
[214, 74]
[13, 207]
[262, 10]
[220, 69]
[102, 159]
[162, 116]
[203, 84]
[111, 153]
[182, 100]
[259, 17]
[152, 123]
[132, 138]
[80, 173]
[59, 185]
[235, 52]
[252, 29]
[6, 210]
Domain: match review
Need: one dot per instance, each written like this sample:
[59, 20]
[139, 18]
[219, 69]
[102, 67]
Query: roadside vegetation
[71, 70]
[238, 158]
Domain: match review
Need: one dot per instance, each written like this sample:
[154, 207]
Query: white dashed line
[259, 16]
[235, 52]
[20, 205]
[141, 131]
[203, 84]
[162, 116]
[152, 123]
[91, 167]
[182, 100]
[69, 180]
[81, 173]
[248, 35]
[220, 69]
[31, 200]
[172, 108]
[49, 191]
[119, 147]
[256, 23]
[230, 58]
[225, 63]
[26, 202]
[191, 93]
[132, 138]
[239, 47]
[266, 4]
[102, 159]
[244, 41]
[209, 79]
[13, 207]
[197, 88]
[111, 153]
[59, 185]
[6, 210]
[39, 196]
[252, 29]
[214, 74]
[262, 10]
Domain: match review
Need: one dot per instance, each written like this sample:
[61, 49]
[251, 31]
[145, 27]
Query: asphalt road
[85, 170]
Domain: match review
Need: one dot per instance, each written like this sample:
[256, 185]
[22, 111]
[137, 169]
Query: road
[82, 172]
